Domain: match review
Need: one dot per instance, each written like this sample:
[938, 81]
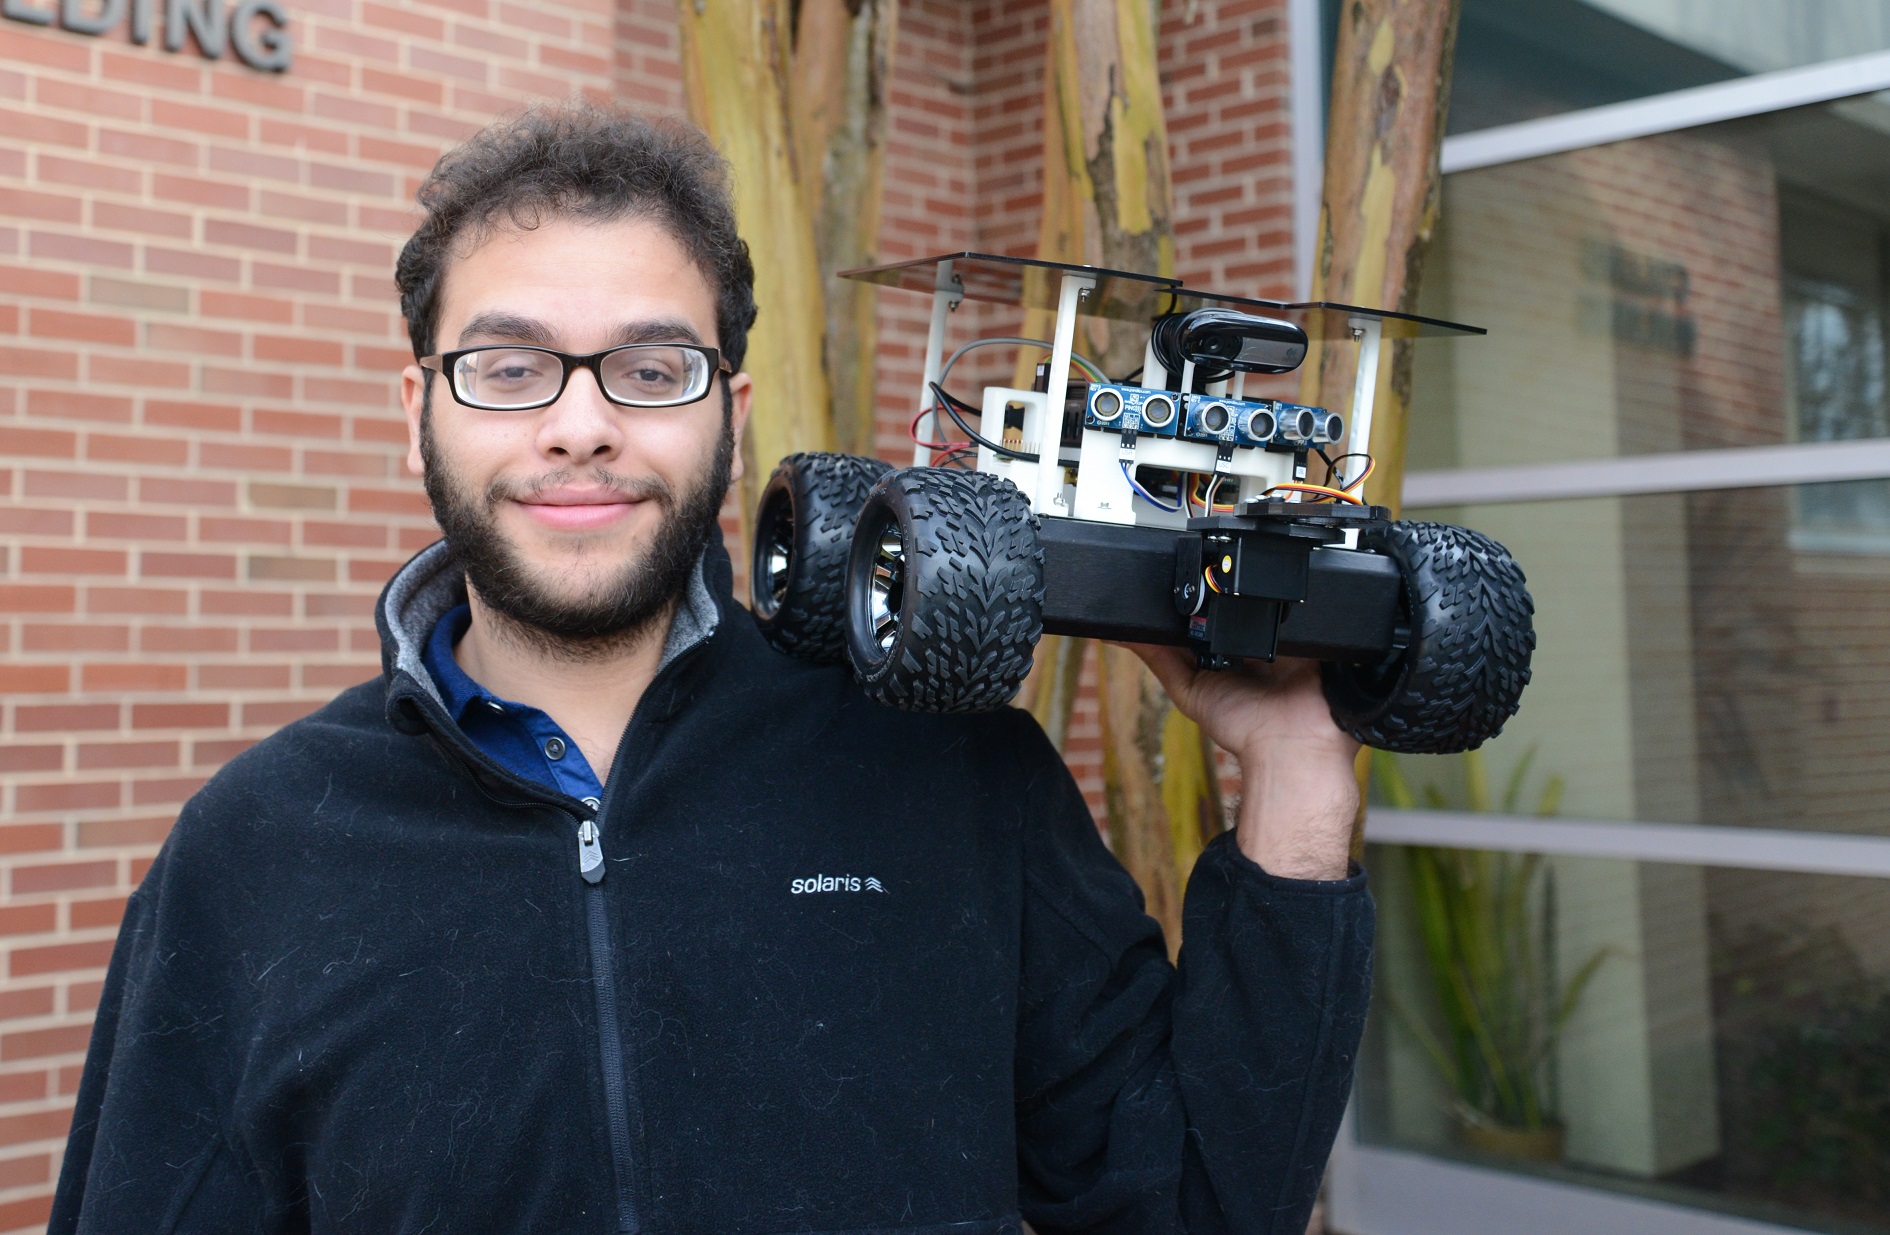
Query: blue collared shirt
[521, 739]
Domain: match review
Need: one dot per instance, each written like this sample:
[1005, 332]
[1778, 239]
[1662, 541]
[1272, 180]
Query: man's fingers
[1172, 667]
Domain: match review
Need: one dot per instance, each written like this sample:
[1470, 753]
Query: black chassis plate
[1108, 581]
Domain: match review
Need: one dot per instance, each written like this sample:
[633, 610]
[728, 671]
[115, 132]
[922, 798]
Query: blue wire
[1144, 494]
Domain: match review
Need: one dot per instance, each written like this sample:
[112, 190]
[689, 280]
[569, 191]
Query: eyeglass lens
[650, 374]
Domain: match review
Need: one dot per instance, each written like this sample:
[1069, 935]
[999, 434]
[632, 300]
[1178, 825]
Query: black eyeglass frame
[444, 363]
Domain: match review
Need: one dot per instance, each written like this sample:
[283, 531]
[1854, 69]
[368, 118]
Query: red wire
[913, 433]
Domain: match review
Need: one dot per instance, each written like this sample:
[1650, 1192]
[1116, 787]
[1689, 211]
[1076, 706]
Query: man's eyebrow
[656, 330]
[508, 326]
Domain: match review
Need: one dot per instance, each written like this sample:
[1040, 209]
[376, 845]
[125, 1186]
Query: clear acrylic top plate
[1122, 295]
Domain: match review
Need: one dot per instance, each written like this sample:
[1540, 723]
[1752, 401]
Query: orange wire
[1370, 463]
[1331, 495]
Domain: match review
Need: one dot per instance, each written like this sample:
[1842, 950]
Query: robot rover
[1164, 507]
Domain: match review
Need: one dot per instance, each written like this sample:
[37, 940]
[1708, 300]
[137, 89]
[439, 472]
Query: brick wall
[201, 487]
[200, 448]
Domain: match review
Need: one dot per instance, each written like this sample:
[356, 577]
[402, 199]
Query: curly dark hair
[596, 163]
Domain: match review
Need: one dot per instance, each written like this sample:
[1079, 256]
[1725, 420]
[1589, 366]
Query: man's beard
[615, 612]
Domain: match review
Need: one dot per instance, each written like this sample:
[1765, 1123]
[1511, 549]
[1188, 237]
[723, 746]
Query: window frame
[1380, 1190]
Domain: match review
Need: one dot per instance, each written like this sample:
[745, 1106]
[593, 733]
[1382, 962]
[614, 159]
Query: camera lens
[1214, 418]
[1158, 412]
[1261, 426]
[1108, 405]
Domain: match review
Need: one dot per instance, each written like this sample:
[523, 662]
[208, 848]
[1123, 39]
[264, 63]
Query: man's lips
[577, 509]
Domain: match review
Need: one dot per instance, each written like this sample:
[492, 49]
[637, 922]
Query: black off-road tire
[803, 534]
[1472, 632]
[944, 591]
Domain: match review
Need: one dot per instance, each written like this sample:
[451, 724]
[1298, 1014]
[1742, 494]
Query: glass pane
[1519, 61]
[1695, 663]
[1124, 296]
[1718, 287]
[1718, 1038]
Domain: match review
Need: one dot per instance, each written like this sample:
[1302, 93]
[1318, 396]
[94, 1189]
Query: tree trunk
[843, 52]
[1108, 201]
[1385, 129]
[736, 57]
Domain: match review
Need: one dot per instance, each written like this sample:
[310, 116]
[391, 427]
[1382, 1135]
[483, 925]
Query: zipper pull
[590, 852]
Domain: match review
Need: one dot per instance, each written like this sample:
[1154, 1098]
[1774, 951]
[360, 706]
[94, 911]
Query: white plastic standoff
[1368, 331]
[947, 291]
[1046, 495]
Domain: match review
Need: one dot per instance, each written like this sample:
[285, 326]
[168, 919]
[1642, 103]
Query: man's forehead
[628, 276]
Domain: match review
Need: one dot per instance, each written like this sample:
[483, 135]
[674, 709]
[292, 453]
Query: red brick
[39, 362]
[79, 405]
[96, 755]
[70, 96]
[46, 560]
[114, 833]
[76, 485]
[189, 117]
[121, 448]
[138, 600]
[39, 1043]
[112, 525]
[67, 796]
[94, 914]
[59, 877]
[193, 638]
[212, 416]
[45, 284]
[28, 204]
[30, 1169]
[119, 217]
[187, 565]
[65, 717]
[110, 677]
[43, 443]
[74, 637]
[180, 715]
[248, 236]
[32, 758]
[32, 1211]
[64, 247]
[37, 598]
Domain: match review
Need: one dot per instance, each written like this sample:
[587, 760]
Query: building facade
[201, 481]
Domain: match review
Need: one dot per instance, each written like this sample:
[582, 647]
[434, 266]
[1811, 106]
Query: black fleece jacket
[845, 970]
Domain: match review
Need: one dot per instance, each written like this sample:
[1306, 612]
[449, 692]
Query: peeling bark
[1385, 130]
[1108, 201]
[736, 57]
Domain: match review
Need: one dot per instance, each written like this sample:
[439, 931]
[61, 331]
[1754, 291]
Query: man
[594, 914]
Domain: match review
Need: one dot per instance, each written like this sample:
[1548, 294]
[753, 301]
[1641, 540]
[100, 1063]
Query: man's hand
[1299, 793]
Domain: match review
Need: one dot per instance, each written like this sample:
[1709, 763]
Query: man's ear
[413, 401]
[741, 389]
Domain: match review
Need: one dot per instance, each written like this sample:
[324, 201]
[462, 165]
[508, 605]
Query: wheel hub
[889, 587]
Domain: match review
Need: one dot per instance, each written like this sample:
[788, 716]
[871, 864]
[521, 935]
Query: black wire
[951, 409]
[1332, 465]
[1121, 381]
[1329, 463]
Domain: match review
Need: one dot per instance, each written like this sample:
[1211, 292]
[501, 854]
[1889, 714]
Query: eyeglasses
[508, 378]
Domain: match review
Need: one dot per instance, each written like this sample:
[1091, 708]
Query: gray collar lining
[429, 585]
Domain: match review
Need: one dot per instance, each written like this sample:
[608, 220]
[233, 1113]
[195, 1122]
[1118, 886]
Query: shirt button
[495, 705]
[554, 748]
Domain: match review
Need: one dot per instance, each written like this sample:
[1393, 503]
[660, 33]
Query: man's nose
[582, 425]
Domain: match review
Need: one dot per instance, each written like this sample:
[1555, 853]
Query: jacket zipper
[609, 1023]
[604, 984]
[618, 1090]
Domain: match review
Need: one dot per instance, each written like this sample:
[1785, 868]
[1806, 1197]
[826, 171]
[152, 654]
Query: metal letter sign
[256, 30]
